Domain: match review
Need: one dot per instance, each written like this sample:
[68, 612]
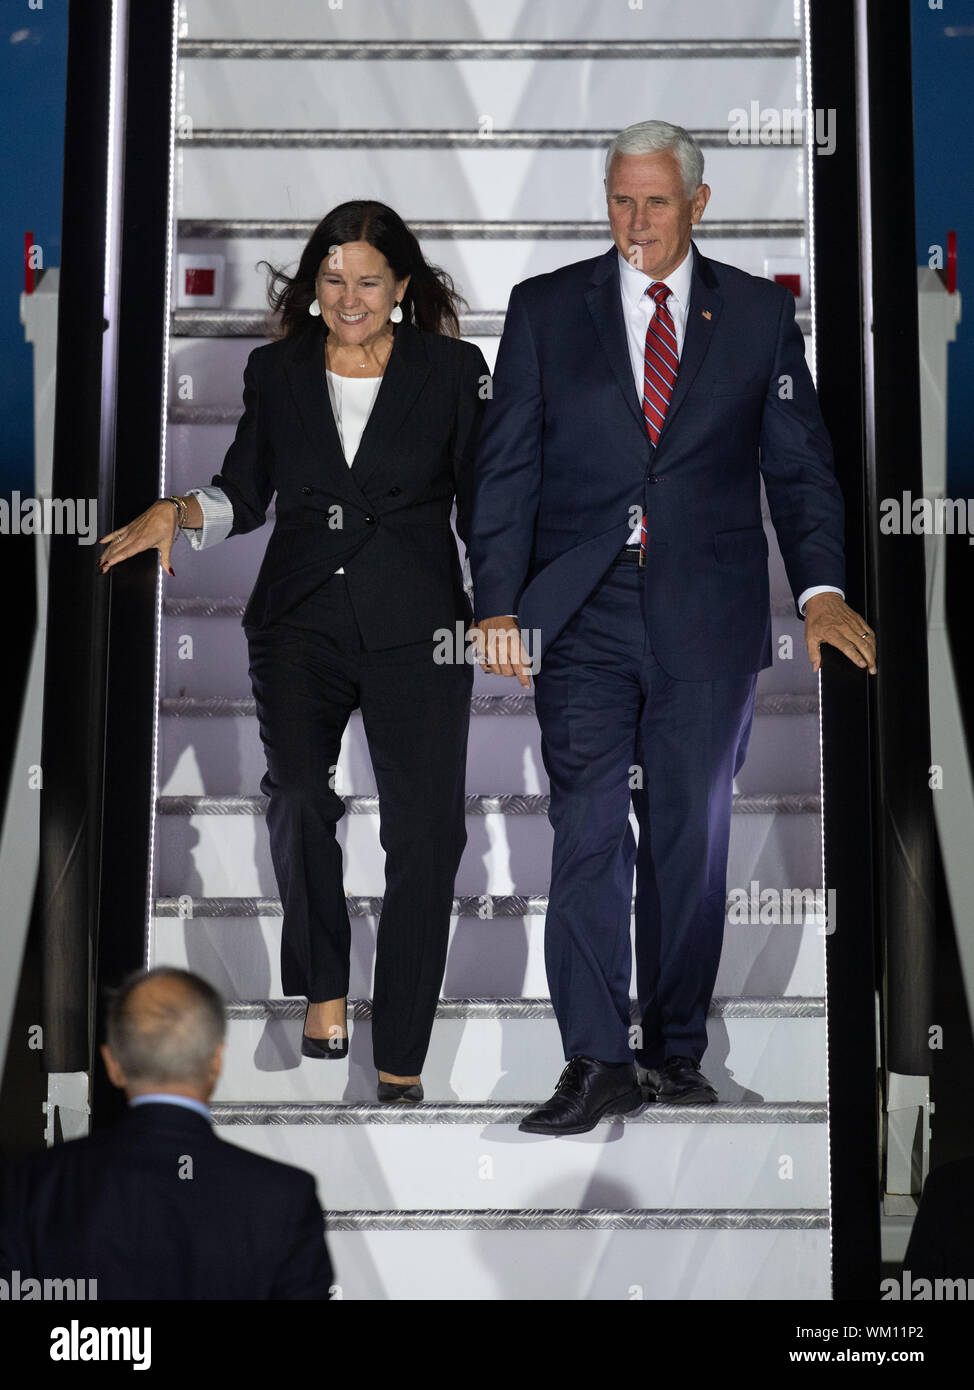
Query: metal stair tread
[456, 50]
[245, 707]
[477, 804]
[232, 1113]
[489, 229]
[263, 137]
[740, 1006]
[501, 905]
[592, 1219]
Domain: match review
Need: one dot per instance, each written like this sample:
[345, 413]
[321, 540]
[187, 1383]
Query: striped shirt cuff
[217, 512]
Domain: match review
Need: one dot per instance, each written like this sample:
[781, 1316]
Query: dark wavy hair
[431, 302]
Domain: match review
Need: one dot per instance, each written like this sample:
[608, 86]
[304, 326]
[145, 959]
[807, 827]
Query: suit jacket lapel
[305, 373]
[405, 375]
[605, 305]
[703, 313]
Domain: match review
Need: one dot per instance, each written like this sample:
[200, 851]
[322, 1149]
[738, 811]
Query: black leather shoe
[649, 1082]
[324, 1049]
[587, 1089]
[683, 1083]
[391, 1092]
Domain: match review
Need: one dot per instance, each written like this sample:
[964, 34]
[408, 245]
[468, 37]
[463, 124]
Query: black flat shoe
[391, 1092]
[324, 1049]
[587, 1089]
[681, 1082]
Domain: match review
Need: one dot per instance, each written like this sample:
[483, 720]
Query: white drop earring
[396, 314]
[314, 309]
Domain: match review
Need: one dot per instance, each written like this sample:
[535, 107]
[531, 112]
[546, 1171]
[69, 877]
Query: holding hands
[499, 648]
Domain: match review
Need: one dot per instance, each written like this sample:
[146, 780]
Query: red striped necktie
[661, 361]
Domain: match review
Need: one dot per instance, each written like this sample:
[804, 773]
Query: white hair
[656, 137]
[169, 1036]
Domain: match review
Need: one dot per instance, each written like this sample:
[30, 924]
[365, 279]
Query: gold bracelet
[181, 508]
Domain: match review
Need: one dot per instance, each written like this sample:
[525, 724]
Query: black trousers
[309, 672]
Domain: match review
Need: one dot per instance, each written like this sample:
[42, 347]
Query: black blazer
[386, 519]
[158, 1207]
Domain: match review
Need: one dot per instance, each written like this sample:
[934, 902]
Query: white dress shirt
[352, 399]
[638, 308]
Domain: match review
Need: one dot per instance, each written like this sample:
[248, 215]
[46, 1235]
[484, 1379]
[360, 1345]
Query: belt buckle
[642, 558]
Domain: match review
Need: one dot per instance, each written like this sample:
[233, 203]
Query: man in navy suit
[158, 1207]
[638, 400]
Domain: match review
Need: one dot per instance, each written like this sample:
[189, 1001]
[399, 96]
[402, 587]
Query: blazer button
[370, 521]
[394, 492]
[654, 478]
[306, 491]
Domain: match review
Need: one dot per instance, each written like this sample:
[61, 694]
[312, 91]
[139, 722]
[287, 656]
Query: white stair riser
[477, 1060]
[223, 755]
[467, 183]
[519, 96]
[218, 665]
[582, 1265]
[616, 1167]
[502, 958]
[229, 855]
[426, 20]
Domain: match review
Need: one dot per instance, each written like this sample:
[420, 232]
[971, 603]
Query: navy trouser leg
[614, 725]
[691, 742]
[588, 699]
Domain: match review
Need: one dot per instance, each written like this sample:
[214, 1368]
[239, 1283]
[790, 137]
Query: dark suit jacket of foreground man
[160, 1208]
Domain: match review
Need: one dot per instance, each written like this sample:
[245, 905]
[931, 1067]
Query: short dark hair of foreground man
[158, 1207]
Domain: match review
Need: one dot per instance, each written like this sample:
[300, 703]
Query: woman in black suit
[362, 418]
